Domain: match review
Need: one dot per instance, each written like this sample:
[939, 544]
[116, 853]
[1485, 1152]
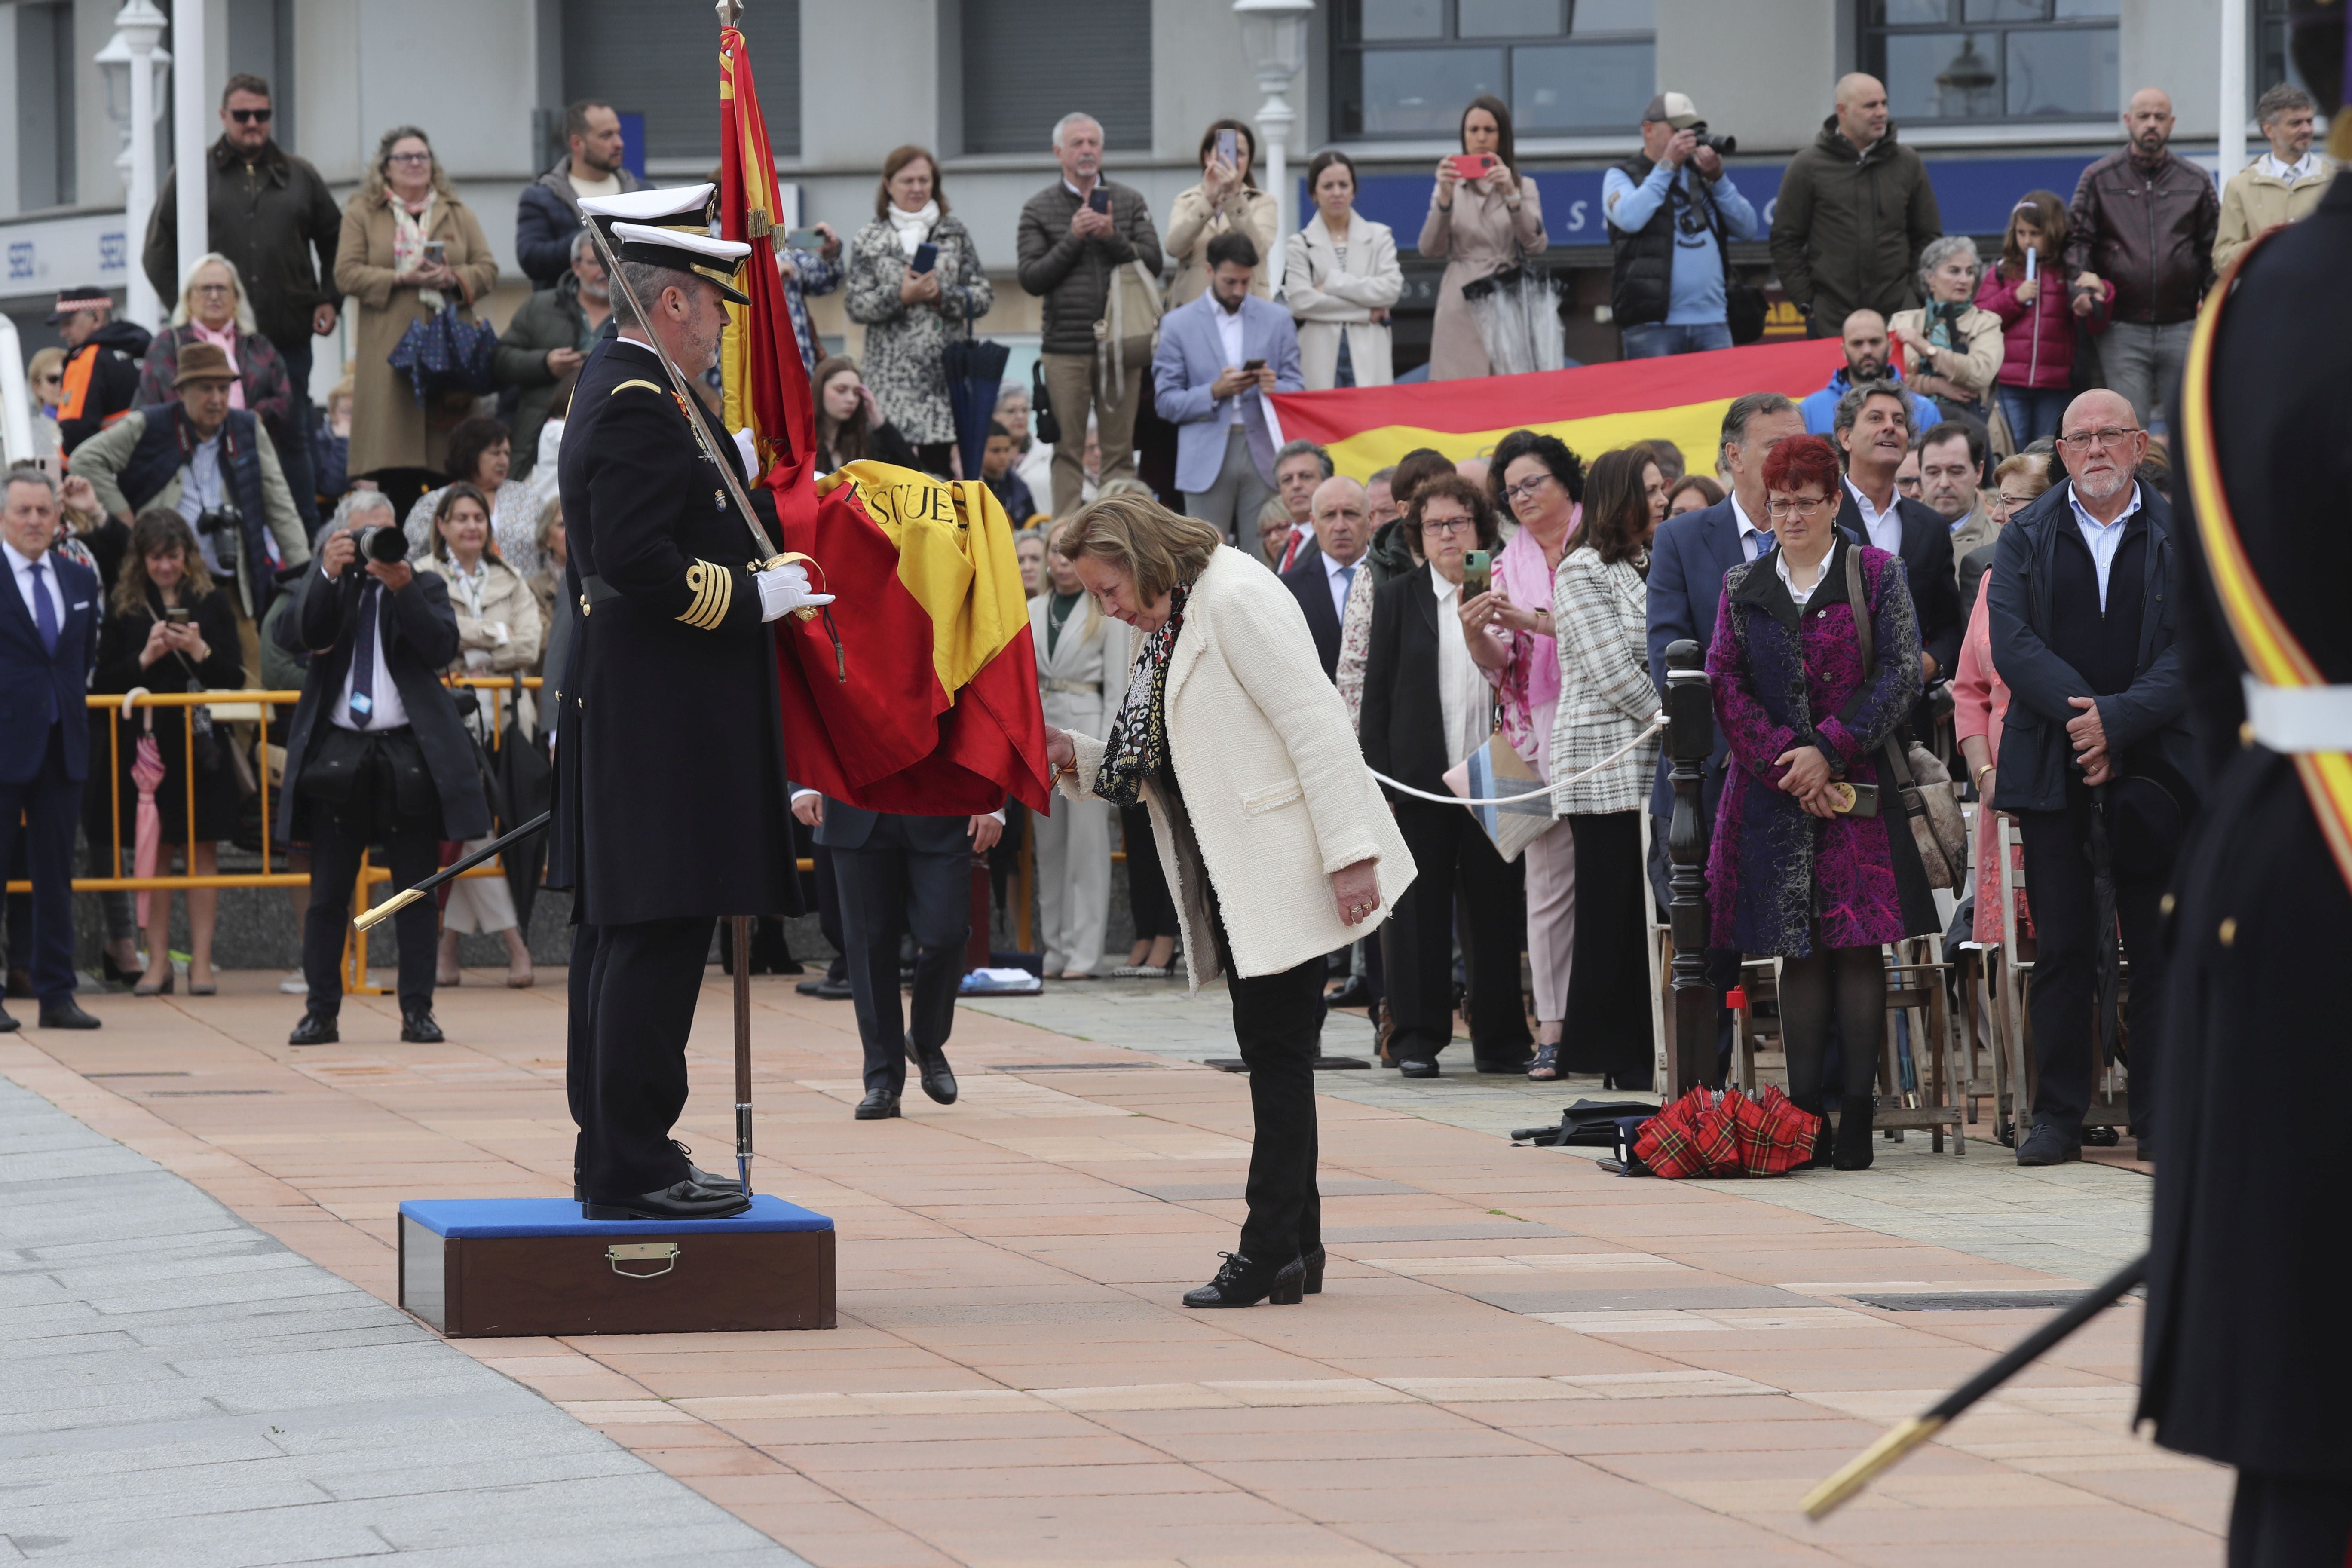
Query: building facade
[2000, 96]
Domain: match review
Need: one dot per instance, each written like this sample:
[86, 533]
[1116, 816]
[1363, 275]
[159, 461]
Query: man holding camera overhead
[1672, 213]
[215, 466]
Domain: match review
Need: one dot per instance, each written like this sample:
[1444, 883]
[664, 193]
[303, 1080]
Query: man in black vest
[1669, 212]
[2082, 603]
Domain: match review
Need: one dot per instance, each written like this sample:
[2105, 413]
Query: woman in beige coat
[1951, 349]
[1480, 227]
[1082, 656]
[1227, 199]
[1273, 836]
[1341, 278]
[385, 260]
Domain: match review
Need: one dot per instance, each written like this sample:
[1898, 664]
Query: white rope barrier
[1655, 724]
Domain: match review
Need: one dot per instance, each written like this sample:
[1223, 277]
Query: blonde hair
[182, 315]
[1145, 539]
[2032, 465]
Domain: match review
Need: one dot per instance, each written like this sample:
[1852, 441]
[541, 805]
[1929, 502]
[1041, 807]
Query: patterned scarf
[410, 231]
[1139, 736]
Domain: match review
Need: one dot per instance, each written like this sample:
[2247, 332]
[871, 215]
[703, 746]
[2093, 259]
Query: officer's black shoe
[938, 1082]
[2048, 1145]
[66, 1014]
[696, 1173]
[315, 1030]
[417, 1028]
[1411, 1066]
[689, 1199]
[878, 1104]
[1242, 1283]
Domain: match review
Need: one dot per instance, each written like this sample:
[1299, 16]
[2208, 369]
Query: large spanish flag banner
[928, 702]
[1592, 407]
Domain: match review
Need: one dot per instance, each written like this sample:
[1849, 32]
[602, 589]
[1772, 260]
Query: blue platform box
[488, 1267]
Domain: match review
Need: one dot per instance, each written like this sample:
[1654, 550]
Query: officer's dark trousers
[2290, 1521]
[2065, 968]
[1450, 848]
[633, 990]
[1279, 1021]
[886, 887]
[50, 804]
[339, 836]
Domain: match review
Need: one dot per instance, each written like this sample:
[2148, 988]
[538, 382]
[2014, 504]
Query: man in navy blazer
[901, 874]
[1225, 438]
[1873, 430]
[48, 645]
[1341, 514]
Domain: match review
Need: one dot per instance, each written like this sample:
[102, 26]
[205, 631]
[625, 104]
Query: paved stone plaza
[1519, 1359]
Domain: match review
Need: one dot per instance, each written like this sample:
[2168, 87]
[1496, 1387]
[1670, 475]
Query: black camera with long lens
[382, 542]
[1725, 146]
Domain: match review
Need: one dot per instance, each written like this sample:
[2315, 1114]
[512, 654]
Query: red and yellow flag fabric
[930, 704]
[1592, 407]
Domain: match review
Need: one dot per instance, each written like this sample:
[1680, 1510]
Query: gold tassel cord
[1865, 1467]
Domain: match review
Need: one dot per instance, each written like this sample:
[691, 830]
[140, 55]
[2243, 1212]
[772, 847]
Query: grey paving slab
[2077, 1221]
[182, 1391]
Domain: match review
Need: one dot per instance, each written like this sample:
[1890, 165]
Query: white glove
[784, 590]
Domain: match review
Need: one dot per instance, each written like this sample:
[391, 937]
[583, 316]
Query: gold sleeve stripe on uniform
[624, 386]
[713, 587]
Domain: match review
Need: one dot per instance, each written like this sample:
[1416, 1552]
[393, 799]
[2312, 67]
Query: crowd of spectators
[1521, 597]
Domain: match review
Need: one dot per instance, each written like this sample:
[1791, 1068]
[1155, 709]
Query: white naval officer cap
[684, 250]
[689, 207]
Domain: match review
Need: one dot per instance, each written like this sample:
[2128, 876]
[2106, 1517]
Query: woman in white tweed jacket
[1276, 841]
[1601, 601]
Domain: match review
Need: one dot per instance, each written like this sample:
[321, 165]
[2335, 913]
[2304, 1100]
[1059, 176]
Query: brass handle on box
[666, 1252]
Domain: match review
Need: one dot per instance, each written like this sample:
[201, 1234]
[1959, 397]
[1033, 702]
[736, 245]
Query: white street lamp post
[1274, 32]
[2233, 87]
[132, 64]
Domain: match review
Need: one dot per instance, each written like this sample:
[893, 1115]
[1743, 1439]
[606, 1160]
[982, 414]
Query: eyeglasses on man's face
[2108, 438]
[1797, 506]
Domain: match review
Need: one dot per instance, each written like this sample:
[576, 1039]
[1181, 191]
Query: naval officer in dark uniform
[672, 808]
[2243, 1358]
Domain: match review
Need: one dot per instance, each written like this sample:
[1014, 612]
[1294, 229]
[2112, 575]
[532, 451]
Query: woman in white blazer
[1272, 832]
[1341, 280]
[1082, 656]
[1600, 602]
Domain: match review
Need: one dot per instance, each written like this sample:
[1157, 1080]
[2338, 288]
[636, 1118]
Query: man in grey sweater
[1075, 234]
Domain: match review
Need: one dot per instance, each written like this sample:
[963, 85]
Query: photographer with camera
[377, 755]
[1672, 212]
[217, 468]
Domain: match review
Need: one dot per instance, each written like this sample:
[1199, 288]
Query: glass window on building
[2272, 62]
[1406, 67]
[669, 73]
[1026, 63]
[1980, 60]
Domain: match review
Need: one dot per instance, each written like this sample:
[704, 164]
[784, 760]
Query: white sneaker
[294, 984]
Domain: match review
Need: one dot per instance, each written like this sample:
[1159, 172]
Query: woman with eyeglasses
[1600, 604]
[45, 378]
[1427, 707]
[1541, 483]
[409, 248]
[1812, 861]
[214, 309]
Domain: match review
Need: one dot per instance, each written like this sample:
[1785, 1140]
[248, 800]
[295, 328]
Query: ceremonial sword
[408, 896]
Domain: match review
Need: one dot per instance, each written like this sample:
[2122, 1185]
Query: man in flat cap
[671, 802]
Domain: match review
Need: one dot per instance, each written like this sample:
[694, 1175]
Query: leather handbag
[1931, 800]
[1130, 328]
[1042, 425]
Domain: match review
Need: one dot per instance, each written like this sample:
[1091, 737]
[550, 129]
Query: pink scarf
[225, 341]
[1529, 686]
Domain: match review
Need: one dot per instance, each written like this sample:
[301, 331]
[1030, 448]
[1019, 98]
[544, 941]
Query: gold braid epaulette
[713, 587]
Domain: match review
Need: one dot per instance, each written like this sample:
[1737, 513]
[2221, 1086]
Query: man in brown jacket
[1854, 212]
[1075, 235]
[2145, 221]
[272, 215]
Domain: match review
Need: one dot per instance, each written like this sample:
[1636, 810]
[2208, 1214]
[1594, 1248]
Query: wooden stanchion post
[1690, 737]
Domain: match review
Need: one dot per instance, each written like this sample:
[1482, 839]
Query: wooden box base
[495, 1267]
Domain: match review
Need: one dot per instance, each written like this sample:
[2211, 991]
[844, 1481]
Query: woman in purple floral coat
[1795, 872]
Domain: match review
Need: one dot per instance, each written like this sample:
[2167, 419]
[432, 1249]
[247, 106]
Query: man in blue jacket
[548, 215]
[2094, 748]
[1218, 359]
[49, 611]
[1868, 358]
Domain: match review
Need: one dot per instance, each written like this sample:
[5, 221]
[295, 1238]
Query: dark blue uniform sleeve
[645, 454]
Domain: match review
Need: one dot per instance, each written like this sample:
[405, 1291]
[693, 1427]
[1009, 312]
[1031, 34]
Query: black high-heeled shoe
[1314, 1262]
[1242, 1283]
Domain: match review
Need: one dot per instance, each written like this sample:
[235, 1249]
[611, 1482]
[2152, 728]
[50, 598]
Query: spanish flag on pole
[931, 702]
[1592, 407]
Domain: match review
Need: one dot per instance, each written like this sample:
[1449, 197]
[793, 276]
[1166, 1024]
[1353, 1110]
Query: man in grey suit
[901, 874]
[1219, 356]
